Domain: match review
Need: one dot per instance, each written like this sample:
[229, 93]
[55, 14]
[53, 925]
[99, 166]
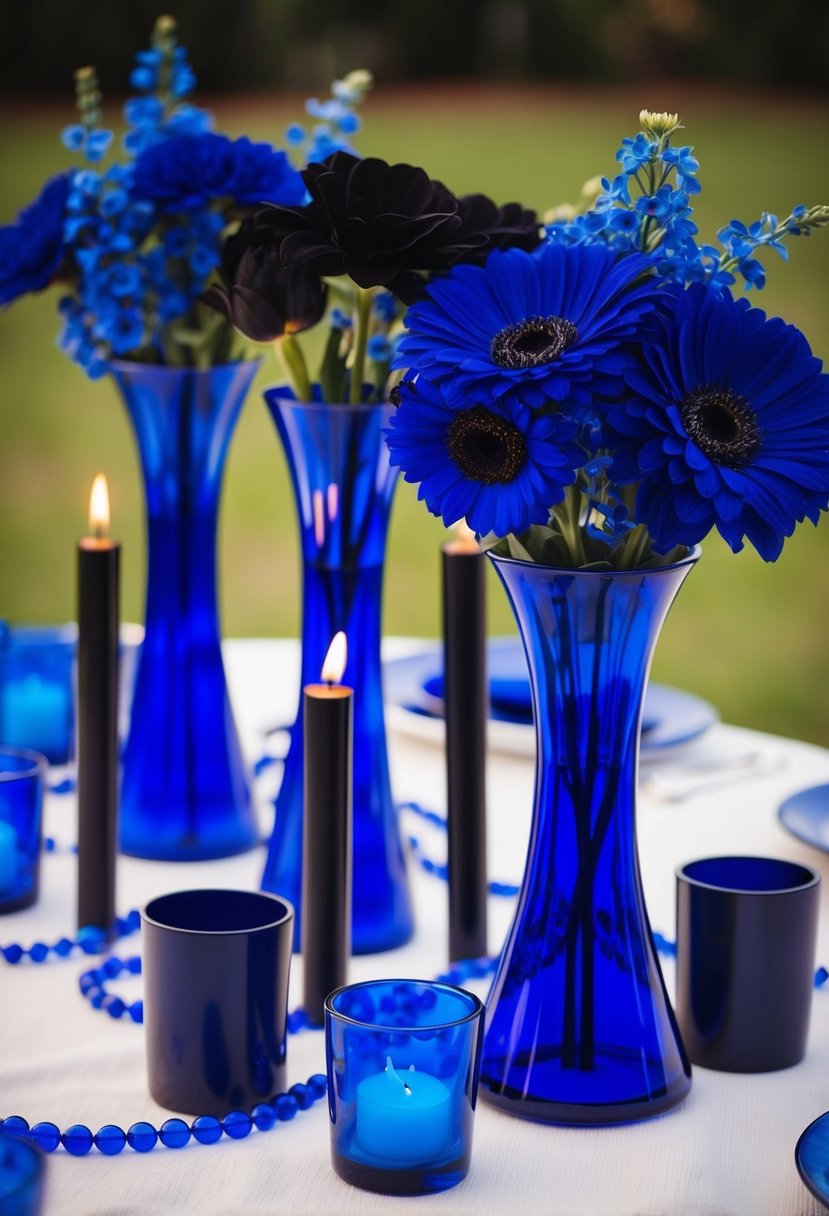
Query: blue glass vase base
[616, 1083]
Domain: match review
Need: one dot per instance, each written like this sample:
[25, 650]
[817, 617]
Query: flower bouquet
[594, 408]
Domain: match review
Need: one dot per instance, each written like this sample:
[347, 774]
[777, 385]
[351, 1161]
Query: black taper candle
[326, 851]
[97, 722]
[465, 698]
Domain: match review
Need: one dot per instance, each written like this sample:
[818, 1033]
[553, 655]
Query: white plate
[674, 716]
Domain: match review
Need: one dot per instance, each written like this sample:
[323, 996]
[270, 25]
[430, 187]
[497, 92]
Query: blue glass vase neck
[579, 1027]
[343, 485]
[184, 788]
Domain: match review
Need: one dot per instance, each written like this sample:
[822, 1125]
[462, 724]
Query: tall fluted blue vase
[343, 485]
[579, 1028]
[185, 793]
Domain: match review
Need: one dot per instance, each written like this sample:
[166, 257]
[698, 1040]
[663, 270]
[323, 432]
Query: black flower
[378, 223]
[262, 298]
[509, 227]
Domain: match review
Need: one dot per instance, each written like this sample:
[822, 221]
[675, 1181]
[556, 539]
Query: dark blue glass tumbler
[21, 803]
[21, 1177]
[403, 1058]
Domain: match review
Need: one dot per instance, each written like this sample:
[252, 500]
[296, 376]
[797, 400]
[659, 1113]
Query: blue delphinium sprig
[647, 207]
[336, 120]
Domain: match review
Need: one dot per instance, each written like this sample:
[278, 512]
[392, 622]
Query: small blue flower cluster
[658, 219]
[337, 119]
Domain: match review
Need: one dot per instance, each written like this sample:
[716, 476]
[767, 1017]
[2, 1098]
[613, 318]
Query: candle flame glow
[392, 1071]
[465, 536]
[99, 506]
[335, 660]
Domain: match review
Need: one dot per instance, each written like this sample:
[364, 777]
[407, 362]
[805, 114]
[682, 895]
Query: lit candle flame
[392, 1071]
[99, 506]
[465, 537]
[335, 660]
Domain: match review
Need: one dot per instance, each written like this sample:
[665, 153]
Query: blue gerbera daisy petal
[500, 465]
[726, 425]
[542, 326]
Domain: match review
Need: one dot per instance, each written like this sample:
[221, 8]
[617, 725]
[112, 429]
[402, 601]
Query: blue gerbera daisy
[539, 326]
[499, 465]
[728, 426]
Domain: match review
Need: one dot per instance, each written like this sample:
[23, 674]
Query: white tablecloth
[726, 1151]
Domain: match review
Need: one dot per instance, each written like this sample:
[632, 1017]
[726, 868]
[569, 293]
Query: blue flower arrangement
[133, 243]
[603, 401]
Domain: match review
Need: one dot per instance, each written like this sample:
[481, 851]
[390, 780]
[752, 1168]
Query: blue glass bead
[49, 845]
[133, 920]
[207, 1129]
[38, 952]
[16, 1125]
[821, 976]
[110, 1139]
[319, 1084]
[136, 1011]
[45, 1136]
[237, 1124]
[134, 965]
[263, 1116]
[142, 1137]
[303, 1094]
[174, 1133]
[297, 1021]
[63, 948]
[77, 1140]
[96, 997]
[13, 953]
[114, 1006]
[121, 926]
[88, 981]
[112, 967]
[286, 1107]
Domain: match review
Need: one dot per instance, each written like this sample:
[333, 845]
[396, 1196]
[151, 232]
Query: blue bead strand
[89, 940]
[142, 1137]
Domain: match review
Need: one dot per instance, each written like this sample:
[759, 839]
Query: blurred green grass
[750, 637]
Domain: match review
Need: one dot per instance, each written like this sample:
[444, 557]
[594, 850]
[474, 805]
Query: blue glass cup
[36, 693]
[746, 931]
[403, 1058]
[21, 814]
[216, 965]
[21, 1177]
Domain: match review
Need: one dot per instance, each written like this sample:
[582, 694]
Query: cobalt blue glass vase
[184, 788]
[579, 1028]
[343, 485]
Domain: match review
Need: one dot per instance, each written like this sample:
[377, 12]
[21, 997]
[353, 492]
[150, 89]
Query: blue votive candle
[21, 801]
[403, 1058]
[21, 1177]
[36, 708]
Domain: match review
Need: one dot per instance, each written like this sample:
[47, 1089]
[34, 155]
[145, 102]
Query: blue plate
[811, 1156]
[414, 684]
[806, 816]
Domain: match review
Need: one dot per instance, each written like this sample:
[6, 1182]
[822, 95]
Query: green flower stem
[290, 355]
[568, 513]
[362, 318]
[332, 371]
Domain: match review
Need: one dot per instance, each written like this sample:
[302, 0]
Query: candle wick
[406, 1088]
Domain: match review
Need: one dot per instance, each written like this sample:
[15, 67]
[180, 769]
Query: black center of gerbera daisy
[722, 424]
[532, 342]
[486, 447]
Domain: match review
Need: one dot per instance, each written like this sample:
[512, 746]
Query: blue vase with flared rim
[185, 792]
[343, 486]
[579, 1028]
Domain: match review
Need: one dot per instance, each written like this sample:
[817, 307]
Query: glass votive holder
[216, 965]
[403, 1058]
[746, 932]
[21, 812]
[21, 1177]
[36, 688]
